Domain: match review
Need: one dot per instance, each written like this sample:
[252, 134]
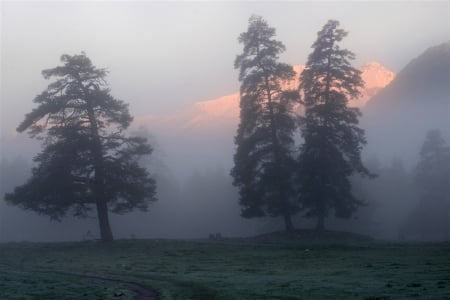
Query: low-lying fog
[196, 197]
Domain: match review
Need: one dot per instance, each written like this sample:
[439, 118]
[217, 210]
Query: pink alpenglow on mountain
[223, 112]
[206, 129]
[375, 77]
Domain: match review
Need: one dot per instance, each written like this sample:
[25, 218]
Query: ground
[226, 269]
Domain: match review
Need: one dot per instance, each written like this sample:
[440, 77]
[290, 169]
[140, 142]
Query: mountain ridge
[224, 111]
[417, 100]
[427, 73]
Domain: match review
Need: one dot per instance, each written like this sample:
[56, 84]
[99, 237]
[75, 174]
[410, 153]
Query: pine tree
[432, 177]
[86, 159]
[331, 152]
[432, 173]
[263, 163]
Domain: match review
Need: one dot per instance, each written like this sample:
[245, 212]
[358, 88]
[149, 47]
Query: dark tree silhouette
[432, 173]
[331, 152]
[86, 158]
[432, 178]
[263, 165]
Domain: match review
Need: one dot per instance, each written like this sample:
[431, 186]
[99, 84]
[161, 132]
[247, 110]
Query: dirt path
[143, 293]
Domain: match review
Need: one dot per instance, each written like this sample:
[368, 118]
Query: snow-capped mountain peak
[223, 112]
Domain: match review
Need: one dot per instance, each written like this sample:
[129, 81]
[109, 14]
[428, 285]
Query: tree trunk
[447, 221]
[99, 177]
[283, 199]
[103, 221]
[320, 227]
[288, 223]
[99, 189]
[100, 201]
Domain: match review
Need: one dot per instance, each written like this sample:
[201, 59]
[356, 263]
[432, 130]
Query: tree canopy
[432, 173]
[331, 152]
[263, 162]
[431, 216]
[86, 158]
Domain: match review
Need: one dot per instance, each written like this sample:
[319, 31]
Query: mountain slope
[425, 77]
[223, 112]
[375, 77]
[201, 135]
[417, 100]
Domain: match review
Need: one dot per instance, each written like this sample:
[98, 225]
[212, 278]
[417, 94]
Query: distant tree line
[431, 215]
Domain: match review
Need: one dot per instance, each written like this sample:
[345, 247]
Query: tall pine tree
[331, 152]
[263, 163]
[86, 159]
[432, 173]
[432, 177]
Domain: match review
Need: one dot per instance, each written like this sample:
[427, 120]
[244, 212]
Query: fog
[204, 203]
[185, 55]
[196, 197]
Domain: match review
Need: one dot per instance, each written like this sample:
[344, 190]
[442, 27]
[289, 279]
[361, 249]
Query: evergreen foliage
[431, 217]
[86, 158]
[263, 162]
[432, 173]
[331, 152]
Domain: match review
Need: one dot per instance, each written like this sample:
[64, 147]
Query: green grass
[235, 269]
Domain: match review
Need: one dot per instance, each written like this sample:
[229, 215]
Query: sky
[163, 56]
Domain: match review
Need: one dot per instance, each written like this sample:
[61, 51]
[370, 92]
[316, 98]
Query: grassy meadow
[225, 269]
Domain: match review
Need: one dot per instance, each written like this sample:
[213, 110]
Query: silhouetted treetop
[79, 87]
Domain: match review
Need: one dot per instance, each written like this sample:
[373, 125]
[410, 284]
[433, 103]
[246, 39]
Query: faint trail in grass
[143, 293]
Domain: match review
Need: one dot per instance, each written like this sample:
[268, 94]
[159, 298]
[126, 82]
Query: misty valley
[314, 181]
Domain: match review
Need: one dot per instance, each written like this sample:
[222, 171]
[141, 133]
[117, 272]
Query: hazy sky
[164, 55]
